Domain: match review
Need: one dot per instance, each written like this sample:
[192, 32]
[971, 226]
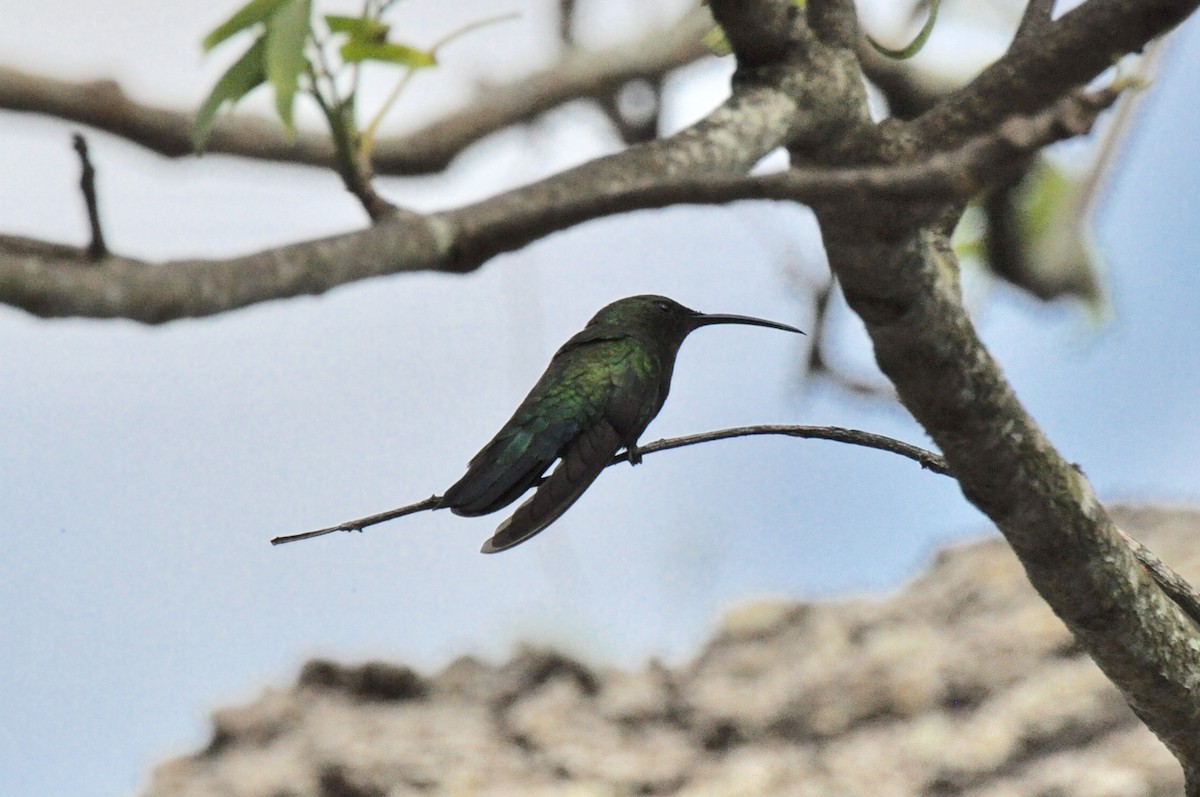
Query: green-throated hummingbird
[599, 393]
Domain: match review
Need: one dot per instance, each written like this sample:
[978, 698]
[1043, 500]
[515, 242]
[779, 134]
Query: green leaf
[362, 28]
[288, 30]
[247, 72]
[357, 50]
[916, 44]
[1055, 229]
[1045, 190]
[250, 14]
[342, 24]
[716, 41]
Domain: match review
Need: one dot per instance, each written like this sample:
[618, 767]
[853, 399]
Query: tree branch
[898, 272]
[1037, 18]
[580, 74]
[1037, 69]
[835, 22]
[702, 165]
[759, 31]
[908, 295]
[97, 249]
[1180, 591]
[926, 459]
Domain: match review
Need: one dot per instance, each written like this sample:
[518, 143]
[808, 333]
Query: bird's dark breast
[636, 393]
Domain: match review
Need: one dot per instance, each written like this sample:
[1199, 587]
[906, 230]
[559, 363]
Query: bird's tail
[588, 454]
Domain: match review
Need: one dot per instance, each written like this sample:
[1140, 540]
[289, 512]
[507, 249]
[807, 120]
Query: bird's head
[666, 320]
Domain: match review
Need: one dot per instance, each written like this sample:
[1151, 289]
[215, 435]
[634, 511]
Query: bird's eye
[662, 306]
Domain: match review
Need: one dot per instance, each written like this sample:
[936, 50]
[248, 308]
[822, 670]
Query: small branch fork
[1037, 18]
[1174, 585]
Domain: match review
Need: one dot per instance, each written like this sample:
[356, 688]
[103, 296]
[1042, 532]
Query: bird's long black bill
[704, 319]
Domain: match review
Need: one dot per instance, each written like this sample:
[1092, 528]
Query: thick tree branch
[702, 165]
[1037, 69]
[514, 220]
[580, 74]
[759, 31]
[834, 21]
[907, 292]
[1036, 19]
[899, 274]
[730, 141]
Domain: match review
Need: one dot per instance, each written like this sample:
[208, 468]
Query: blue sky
[145, 469]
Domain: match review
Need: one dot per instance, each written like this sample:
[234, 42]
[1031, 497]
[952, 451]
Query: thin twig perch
[1175, 586]
[927, 459]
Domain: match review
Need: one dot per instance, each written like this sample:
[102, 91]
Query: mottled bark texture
[898, 272]
[885, 196]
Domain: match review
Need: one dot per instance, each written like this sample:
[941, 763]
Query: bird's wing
[563, 402]
[582, 462]
[506, 467]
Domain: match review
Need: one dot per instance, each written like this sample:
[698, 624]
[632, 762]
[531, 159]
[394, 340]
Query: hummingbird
[599, 393]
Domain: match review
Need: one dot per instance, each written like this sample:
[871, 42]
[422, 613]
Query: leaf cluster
[286, 49]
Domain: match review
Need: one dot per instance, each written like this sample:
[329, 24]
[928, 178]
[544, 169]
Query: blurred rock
[961, 683]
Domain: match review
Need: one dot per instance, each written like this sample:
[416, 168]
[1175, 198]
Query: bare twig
[926, 459]
[370, 520]
[566, 21]
[1175, 586]
[97, 249]
[818, 363]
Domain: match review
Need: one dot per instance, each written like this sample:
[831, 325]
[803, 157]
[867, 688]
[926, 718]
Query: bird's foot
[634, 455]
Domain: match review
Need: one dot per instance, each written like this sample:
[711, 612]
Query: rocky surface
[962, 683]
